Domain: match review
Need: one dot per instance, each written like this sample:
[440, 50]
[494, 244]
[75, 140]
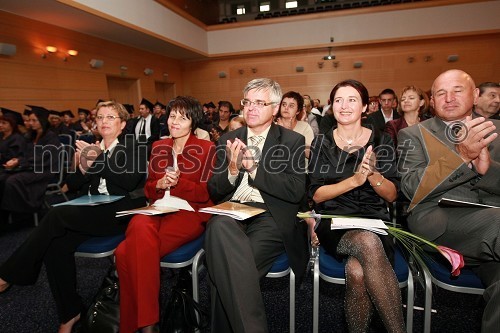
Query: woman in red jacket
[149, 238]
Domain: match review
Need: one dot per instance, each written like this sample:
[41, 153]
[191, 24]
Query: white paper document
[148, 210]
[374, 225]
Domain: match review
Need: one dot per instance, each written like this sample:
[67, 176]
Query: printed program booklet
[235, 210]
[91, 200]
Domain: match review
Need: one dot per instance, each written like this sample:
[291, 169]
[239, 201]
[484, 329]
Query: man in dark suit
[146, 127]
[387, 101]
[457, 156]
[261, 164]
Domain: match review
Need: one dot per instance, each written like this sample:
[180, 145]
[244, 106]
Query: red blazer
[195, 164]
[393, 127]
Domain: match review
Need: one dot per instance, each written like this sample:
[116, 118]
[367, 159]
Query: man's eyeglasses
[258, 103]
[108, 117]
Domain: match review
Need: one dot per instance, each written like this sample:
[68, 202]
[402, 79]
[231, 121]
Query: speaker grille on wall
[96, 63]
[7, 49]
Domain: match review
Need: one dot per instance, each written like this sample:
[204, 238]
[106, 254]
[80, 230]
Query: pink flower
[454, 257]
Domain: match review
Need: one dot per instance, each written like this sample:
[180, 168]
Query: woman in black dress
[353, 172]
[12, 143]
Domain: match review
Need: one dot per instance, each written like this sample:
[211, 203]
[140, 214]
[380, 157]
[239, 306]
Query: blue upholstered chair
[188, 254]
[99, 247]
[439, 274]
[332, 270]
[281, 268]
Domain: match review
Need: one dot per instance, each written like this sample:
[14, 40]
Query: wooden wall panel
[385, 65]
[27, 78]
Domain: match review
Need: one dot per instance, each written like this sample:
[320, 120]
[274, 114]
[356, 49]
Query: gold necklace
[350, 141]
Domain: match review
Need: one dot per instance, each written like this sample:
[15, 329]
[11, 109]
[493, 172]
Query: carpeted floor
[31, 309]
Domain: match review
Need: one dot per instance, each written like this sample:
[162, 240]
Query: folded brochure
[235, 210]
[374, 225]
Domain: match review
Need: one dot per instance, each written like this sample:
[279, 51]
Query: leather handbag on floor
[103, 315]
[183, 314]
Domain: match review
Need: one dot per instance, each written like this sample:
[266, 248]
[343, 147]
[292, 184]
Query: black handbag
[103, 315]
[182, 313]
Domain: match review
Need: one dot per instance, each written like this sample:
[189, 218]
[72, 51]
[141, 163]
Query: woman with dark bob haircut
[148, 238]
[349, 178]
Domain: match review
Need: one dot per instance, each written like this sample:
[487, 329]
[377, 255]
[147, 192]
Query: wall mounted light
[335, 64]
[241, 71]
[299, 69]
[148, 71]
[222, 75]
[51, 49]
[8, 49]
[254, 70]
[410, 60]
[452, 58]
[73, 53]
[357, 64]
[123, 68]
[427, 58]
[320, 64]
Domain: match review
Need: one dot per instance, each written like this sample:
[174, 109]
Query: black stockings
[369, 278]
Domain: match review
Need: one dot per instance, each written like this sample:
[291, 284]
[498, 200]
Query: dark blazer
[154, 127]
[281, 181]
[461, 183]
[124, 171]
[378, 121]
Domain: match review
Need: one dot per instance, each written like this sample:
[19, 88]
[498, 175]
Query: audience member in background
[67, 119]
[240, 253]
[158, 112]
[414, 103]
[356, 183]
[443, 161]
[373, 105]
[210, 116]
[56, 123]
[317, 105]
[310, 118]
[290, 104]
[149, 238]
[387, 98]
[146, 127]
[221, 126]
[26, 120]
[488, 102]
[81, 126]
[236, 122]
[12, 143]
[314, 110]
[22, 189]
[114, 166]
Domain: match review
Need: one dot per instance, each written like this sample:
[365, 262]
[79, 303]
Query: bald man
[457, 156]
